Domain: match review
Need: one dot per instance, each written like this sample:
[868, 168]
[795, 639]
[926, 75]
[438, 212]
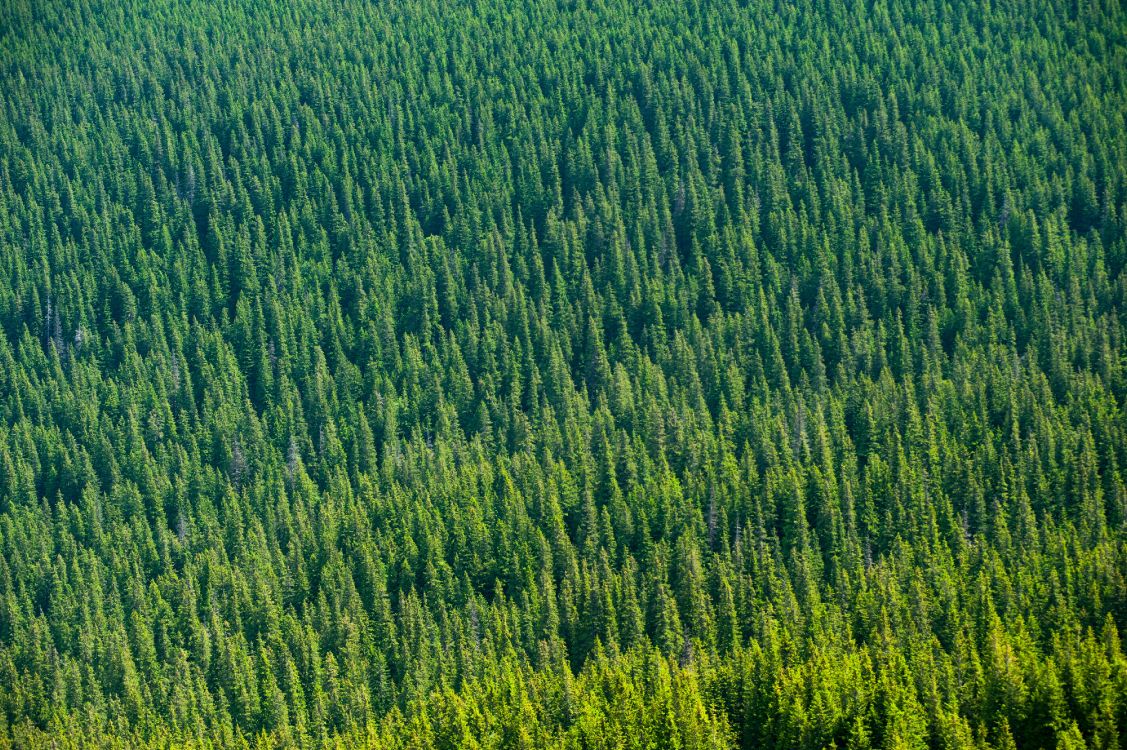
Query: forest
[592, 374]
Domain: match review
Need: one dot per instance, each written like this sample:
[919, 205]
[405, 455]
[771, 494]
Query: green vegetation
[580, 374]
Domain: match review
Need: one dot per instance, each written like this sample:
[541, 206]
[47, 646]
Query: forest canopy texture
[574, 374]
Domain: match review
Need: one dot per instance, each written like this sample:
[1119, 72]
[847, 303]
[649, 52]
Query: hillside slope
[518, 373]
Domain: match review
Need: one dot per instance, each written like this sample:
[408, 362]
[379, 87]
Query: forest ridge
[563, 374]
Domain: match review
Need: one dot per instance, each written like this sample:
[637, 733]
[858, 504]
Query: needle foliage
[563, 373]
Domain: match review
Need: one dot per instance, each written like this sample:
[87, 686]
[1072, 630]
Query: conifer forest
[594, 374]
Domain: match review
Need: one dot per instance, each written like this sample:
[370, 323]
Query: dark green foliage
[586, 374]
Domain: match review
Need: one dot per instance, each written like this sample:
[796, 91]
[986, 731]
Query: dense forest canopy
[563, 373]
